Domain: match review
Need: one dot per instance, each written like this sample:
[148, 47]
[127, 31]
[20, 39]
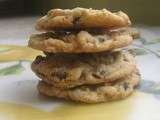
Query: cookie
[70, 70]
[94, 93]
[81, 18]
[82, 41]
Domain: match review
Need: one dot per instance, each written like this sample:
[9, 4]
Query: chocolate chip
[101, 39]
[102, 72]
[38, 60]
[61, 33]
[96, 75]
[94, 87]
[83, 75]
[99, 73]
[76, 21]
[125, 85]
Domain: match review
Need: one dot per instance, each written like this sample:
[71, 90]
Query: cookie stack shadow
[84, 57]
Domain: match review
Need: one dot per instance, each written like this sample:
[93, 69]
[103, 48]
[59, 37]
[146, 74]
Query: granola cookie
[70, 70]
[94, 93]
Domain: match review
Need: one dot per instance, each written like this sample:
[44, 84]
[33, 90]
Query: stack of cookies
[84, 60]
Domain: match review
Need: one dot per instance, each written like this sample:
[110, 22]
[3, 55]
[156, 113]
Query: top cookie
[82, 18]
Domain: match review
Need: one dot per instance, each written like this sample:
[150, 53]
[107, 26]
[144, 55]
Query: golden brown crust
[80, 18]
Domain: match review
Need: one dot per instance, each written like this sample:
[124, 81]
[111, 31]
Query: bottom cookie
[94, 93]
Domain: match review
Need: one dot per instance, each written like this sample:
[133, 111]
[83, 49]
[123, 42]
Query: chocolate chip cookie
[103, 92]
[82, 41]
[81, 18]
[70, 70]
